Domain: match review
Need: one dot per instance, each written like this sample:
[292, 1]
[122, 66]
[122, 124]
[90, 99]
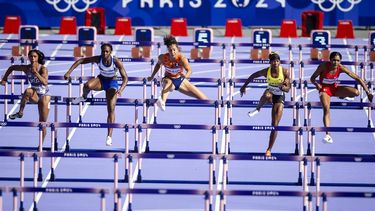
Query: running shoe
[15, 116]
[253, 113]
[78, 100]
[160, 103]
[327, 139]
[108, 141]
[349, 98]
[268, 153]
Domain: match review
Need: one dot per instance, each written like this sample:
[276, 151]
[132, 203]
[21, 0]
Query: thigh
[345, 91]
[189, 89]
[277, 113]
[33, 95]
[167, 84]
[95, 84]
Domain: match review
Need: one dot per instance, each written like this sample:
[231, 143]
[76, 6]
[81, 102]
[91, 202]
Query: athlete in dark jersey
[109, 66]
[278, 83]
[175, 77]
[329, 73]
[37, 75]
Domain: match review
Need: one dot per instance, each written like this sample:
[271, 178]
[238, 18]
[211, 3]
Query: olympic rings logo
[336, 3]
[69, 4]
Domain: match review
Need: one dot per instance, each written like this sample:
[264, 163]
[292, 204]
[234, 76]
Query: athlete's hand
[118, 93]
[370, 97]
[243, 91]
[150, 78]
[3, 82]
[66, 76]
[318, 87]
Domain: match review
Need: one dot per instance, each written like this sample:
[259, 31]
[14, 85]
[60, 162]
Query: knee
[356, 92]
[28, 93]
[88, 86]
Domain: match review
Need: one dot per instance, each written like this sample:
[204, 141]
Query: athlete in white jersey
[107, 80]
[278, 83]
[37, 74]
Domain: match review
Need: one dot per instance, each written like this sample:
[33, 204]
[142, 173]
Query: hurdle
[35, 156]
[260, 157]
[339, 158]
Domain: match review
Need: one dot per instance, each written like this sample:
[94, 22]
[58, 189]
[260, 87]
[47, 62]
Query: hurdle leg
[140, 151]
[312, 180]
[144, 97]
[115, 181]
[40, 149]
[1, 200]
[130, 184]
[5, 102]
[15, 199]
[22, 179]
[305, 187]
[68, 114]
[300, 132]
[102, 201]
[135, 128]
[52, 178]
[56, 120]
[317, 190]
[325, 202]
[211, 181]
[126, 177]
[35, 178]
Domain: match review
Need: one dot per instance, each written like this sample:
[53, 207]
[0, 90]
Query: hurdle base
[40, 175]
[35, 207]
[296, 150]
[312, 180]
[56, 145]
[147, 146]
[299, 181]
[139, 177]
[308, 152]
[52, 177]
[21, 206]
[67, 146]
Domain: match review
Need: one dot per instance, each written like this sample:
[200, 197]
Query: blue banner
[48, 13]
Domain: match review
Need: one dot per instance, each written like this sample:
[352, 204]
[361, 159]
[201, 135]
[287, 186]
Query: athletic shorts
[177, 82]
[329, 89]
[278, 98]
[108, 83]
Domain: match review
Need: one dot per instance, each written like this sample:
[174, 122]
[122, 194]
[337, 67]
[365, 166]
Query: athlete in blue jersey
[37, 75]
[109, 66]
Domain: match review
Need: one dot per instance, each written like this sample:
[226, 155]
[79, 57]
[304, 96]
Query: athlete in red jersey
[328, 73]
[175, 63]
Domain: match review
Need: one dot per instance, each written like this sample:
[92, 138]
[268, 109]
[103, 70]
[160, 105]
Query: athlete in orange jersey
[328, 73]
[175, 77]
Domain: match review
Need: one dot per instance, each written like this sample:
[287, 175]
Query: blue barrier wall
[47, 13]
